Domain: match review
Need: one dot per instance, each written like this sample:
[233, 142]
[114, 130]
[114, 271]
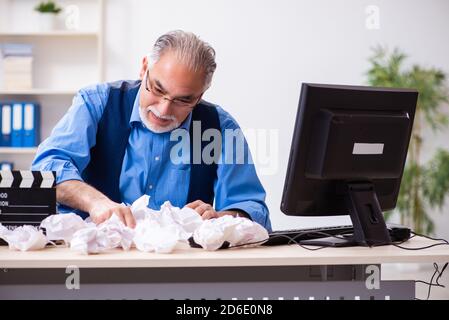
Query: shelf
[60, 33]
[50, 92]
[63, 62]
[10, 150]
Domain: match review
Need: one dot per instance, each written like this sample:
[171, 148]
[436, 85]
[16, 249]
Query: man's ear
[144, 67]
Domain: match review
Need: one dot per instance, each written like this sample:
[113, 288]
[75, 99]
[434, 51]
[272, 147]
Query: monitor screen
[348, 153]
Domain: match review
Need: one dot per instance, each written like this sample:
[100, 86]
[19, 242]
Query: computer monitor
[347, 155]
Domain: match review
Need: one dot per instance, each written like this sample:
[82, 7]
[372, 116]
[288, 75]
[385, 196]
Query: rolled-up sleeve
[67, 149]
[237, 185]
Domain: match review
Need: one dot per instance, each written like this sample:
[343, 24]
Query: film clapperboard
[26, 197]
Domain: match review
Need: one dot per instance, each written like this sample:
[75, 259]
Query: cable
[437, 283]
[421, 248]
[431, 281]
[430, 284]
[293, 240]
[441, 273]
[442, 243]
[248, 244]
[424, 236]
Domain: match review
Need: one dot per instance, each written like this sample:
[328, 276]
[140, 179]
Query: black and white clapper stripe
[27, 179]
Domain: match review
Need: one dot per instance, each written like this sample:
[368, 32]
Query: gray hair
[188, 48]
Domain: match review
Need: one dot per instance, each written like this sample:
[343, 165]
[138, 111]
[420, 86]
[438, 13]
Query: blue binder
[5, 125]
[31, 125]
[17, 125]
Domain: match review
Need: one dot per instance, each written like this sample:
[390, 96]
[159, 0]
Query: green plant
[424, 185]
[48, 7]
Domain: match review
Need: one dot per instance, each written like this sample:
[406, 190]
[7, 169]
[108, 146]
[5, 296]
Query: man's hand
[206, 211]
[102, 210]
[80, 195]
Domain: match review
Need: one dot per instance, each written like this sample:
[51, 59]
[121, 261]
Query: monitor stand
[367, 220]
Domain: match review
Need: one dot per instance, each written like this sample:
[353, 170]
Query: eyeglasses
[177, 102]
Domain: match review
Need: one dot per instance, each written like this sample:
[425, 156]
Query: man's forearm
[78, 195]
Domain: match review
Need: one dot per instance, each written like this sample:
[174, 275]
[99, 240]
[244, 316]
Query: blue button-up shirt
[147, 168]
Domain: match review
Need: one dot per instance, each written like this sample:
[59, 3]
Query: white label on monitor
[368, 148]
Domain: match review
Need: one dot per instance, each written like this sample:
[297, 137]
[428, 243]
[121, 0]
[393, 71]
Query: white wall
[267, 48]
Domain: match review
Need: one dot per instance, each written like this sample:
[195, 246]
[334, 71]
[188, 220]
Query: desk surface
[291, 255]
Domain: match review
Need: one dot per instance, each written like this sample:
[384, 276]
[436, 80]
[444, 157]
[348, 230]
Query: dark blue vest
[106, 157]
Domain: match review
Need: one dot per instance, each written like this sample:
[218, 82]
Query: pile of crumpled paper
[156, 231]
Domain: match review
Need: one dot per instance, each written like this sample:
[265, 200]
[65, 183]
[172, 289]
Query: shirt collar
[135, 116]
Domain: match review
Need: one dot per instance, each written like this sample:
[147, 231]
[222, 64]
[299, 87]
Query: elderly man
[114, 144]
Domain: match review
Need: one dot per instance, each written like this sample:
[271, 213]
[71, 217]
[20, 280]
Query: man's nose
[164, 107]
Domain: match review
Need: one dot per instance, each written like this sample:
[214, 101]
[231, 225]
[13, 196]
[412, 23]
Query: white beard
[144, 114]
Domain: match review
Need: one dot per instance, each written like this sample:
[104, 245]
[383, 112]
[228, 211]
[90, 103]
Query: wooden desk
[290, 272]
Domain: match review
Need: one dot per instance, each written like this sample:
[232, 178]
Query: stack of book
[17, 66]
